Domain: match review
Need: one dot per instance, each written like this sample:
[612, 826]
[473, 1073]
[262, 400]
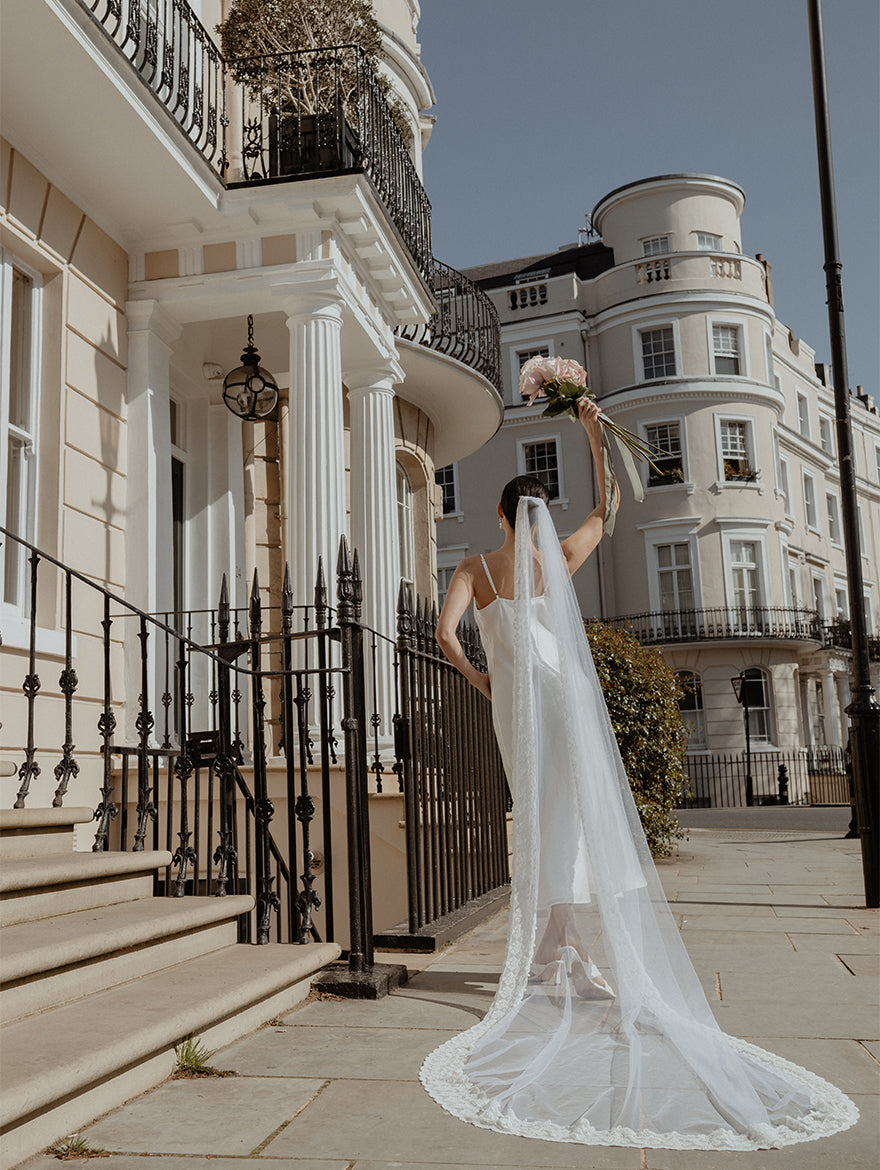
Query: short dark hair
[523, 485]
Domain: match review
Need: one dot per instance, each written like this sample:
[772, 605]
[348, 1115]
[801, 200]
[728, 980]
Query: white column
[832, 713]
[844, 699]
[315, 456]
[148, 577]
[374, 529]
[226, 546]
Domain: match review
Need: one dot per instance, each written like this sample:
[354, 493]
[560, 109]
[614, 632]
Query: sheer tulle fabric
[556, 1057]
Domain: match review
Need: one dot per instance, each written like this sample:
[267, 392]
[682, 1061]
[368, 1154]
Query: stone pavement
[772, 921]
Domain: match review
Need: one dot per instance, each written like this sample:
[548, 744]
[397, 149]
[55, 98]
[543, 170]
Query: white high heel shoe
[584, 975]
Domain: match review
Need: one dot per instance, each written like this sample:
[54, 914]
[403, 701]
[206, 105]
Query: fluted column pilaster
[315, 470]
[374, 526]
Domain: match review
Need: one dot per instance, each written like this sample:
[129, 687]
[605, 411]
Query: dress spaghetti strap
[488, 574]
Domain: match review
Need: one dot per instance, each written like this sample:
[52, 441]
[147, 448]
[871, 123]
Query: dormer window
[655, 246]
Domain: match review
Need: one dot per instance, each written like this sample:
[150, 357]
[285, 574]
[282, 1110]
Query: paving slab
[396, 1121]
[852, 1149]
[206, 1115]
[838, 944]
[846, 1063]
[333, 1052]
[778, 924]
[410, 1010]
[837, 987]
[829, 1021]
[184, 1162]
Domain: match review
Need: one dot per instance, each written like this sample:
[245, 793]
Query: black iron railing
[839, 634]
[800, 777]
[188, 709]
[465, 325]
[322, 112]
[456, 795]
[698, 625]
[304, 114]
[198, 793]
[174, 55]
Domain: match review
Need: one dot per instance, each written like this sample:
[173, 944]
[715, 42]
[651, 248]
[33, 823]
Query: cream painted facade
[130, 267]
[678, 332]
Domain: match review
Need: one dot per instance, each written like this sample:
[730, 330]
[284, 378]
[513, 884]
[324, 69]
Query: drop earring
[500, 523]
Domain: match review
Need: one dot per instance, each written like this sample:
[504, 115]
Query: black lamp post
[250, 391]
[864, 710]
[740, 686]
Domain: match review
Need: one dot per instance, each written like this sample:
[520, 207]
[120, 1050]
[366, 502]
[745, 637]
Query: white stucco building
[734, 562]
[149, 206]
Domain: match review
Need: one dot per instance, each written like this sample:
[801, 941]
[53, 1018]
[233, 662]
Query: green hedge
[642, 694]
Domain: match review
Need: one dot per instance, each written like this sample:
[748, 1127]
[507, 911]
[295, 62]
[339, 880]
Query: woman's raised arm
[584, 539]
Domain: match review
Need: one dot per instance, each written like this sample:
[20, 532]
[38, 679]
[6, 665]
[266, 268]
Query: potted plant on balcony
[305, 99]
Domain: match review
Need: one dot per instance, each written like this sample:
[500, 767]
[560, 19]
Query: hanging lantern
[250, 391]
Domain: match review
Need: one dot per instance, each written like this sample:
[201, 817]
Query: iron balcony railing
[322, 111]
[700, 625]
[839, 635]
[175, 57]
[303, 114]
[465, 325]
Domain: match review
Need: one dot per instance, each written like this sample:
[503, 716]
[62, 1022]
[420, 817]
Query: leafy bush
[642, 695]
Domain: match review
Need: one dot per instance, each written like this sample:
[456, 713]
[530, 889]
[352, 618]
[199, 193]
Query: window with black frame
[666, 466]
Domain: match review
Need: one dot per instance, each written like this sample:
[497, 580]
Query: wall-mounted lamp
[250, 391]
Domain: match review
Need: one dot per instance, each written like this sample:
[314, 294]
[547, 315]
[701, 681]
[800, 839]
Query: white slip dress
[612, 1041]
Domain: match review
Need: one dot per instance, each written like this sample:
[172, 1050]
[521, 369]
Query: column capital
[380, 377]
[150, 317]
[304, 303]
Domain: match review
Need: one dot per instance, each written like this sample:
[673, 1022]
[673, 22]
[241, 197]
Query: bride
[600, 1031]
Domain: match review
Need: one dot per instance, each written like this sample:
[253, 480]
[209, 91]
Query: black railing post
[267, 898]
[67, 768]
[325, 693]
[146, 809]
[30, 769]
[403, 749]
[107, 809]
[287, 701]
[351, 636]
[185, 854]
[225, 856]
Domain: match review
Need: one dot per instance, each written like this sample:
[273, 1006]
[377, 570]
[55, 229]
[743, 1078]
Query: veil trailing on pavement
[600, 1031]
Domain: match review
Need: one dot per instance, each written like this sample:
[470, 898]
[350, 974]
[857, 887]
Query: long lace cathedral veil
[600, 1031]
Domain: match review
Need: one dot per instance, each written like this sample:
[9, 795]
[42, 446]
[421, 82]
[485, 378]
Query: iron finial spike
[402, 599]
[343, 560]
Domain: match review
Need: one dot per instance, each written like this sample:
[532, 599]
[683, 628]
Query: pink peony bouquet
[563, 383]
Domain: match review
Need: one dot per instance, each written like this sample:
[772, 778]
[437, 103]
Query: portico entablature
[258, 230]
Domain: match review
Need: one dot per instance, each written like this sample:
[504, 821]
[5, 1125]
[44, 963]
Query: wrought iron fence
[181, 754]
[465, 325]
[698, 625]
[801, 777]
[198, 793]
[322, 111]
[174, 55]
[456, 796]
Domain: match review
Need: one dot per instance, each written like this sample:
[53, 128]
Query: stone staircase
[100, 980]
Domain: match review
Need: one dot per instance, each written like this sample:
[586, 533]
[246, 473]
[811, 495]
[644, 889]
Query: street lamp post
[740, 686]
[864, 710]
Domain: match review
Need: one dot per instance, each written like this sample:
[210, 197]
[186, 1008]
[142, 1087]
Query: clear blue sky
[544, 106]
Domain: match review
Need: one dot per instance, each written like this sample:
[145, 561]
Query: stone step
[43, 887]
[61, 959]
[68, 1065]
[32, 832]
